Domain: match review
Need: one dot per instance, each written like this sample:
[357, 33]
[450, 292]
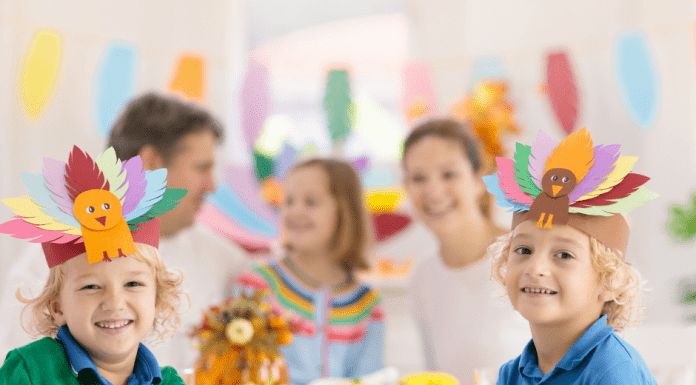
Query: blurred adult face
[441, 183]
[190, 167]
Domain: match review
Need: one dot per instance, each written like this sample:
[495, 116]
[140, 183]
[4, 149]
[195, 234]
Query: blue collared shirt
[145, 372]
[599, 356]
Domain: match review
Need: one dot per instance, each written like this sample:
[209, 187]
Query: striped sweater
[339, 330]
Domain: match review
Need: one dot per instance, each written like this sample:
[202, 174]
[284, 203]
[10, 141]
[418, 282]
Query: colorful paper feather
[509, 185]
[604, 161]
[605, 185]
[46, 214]
[82, 174]
[54, 175]
[154, 189]
[113, 171]
[574, 153]
[522, 175]
[540, 152]
[135, 177]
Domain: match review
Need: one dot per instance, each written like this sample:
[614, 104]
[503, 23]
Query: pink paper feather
[506, 176]
[20, 229]
[54, 175]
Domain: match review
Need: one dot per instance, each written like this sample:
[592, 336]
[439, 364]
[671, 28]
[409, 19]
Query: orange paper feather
[574, 153]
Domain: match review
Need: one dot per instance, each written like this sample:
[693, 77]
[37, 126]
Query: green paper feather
[638, 198]
[169, 200]
[522, 175]
[682, 221]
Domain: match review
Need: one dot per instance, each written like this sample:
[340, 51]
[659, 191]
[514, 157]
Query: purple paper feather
[541, 150]
[605, 158]
[54, 175]
[135, 176]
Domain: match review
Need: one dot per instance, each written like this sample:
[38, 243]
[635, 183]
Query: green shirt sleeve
[169, 377]
[14, 370]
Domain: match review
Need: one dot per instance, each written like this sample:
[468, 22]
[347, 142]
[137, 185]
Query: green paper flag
[337, 104]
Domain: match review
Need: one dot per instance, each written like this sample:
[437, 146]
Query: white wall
[452, 34]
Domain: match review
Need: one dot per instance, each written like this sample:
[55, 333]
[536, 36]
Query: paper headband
[571, 183]
[99, 206]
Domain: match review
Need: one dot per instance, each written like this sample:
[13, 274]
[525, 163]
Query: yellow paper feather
[32, 213]
[574, 153]
[623, 166]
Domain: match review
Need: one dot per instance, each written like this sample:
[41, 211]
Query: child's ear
[606, 295]
[56, 311]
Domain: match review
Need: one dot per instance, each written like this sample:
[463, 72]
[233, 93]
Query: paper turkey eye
[554, 178]
[90, 209]
[565, 179]
[106, 206]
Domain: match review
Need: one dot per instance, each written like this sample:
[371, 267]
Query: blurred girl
[463, 326]
[339, 330]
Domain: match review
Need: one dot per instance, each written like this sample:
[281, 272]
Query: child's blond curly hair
[619, 277]
[167, 301]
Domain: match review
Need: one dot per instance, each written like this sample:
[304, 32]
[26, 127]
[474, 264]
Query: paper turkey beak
[102, 220]
[556, 189]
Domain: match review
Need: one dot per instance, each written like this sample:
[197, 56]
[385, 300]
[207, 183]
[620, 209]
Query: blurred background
[274, 71]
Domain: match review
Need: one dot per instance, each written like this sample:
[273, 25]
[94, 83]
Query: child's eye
[311, 202]
[134, 284]
[90, 287]
[563, 255]
[417, 178]
[448, 175]
[523, 250]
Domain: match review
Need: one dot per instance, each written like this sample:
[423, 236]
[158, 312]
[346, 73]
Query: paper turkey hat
[573, 183]
[99, 206]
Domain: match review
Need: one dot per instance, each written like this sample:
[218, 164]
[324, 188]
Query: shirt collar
[146, 369]
[580, 349]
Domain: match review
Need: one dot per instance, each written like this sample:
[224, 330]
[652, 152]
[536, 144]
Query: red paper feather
[82, 174]
[628, 186]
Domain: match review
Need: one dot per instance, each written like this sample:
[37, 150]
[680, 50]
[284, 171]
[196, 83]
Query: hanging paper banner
[255, 101]
[562, 90]
[682, 221]
[419, 100]
[189, 77]
[39, 73]
[115, 84]
[637, 77]
[337, 104]
[387, 225]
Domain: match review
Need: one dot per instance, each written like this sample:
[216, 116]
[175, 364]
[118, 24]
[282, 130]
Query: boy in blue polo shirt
[107, 287]
[563, 265]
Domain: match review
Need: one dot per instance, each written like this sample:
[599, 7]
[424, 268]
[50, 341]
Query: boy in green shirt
[107, 287]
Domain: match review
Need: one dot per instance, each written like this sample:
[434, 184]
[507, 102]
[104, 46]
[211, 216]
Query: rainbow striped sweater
[339, 333]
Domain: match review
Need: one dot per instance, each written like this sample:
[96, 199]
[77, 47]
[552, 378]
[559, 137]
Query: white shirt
[464, 325]
[210, 266]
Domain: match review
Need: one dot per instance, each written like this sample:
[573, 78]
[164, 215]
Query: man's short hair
[159, 121]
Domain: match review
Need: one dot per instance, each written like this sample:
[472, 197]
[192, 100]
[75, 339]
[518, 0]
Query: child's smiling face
[310, 211]
[109, 307]
[550, 278]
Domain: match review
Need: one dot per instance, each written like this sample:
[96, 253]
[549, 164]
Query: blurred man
[165, 132]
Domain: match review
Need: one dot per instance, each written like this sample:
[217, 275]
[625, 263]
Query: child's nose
[537, 265]
[114, 300]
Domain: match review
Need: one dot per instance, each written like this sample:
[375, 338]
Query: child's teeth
[112, 325]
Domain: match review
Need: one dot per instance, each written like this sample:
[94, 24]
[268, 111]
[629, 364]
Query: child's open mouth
[533, 290]
[113, 326]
